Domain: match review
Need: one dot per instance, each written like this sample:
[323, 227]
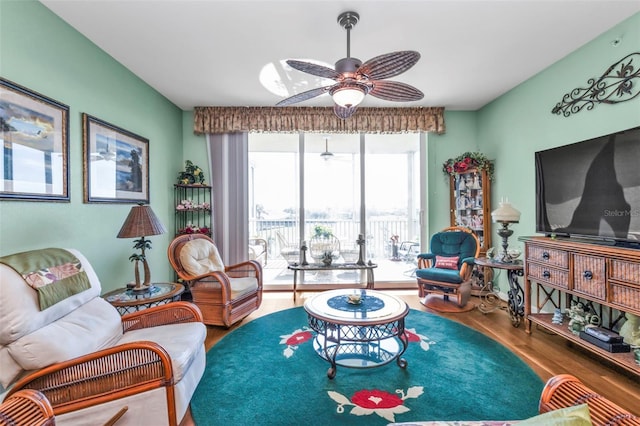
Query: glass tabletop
[157, 290]
[373, 306]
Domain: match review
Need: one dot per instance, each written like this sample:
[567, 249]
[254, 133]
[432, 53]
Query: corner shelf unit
[604, 277]
[196, 208]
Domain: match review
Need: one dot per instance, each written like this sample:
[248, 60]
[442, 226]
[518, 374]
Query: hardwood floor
[545, 353]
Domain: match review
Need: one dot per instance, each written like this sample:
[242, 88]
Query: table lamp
[505, 214]
[141, 222]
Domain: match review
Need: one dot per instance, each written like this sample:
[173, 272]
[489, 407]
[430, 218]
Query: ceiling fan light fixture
[355, 79]
[348, 96]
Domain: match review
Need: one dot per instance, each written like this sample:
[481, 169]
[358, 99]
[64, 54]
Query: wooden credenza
[605, 278]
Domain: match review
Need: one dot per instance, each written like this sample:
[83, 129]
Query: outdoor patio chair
[288, 250]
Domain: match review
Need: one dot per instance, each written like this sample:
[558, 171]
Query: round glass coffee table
[358, 335]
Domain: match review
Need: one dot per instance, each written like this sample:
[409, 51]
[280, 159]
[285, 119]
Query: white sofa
[89, 361]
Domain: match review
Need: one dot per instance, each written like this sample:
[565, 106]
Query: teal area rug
[267, 373]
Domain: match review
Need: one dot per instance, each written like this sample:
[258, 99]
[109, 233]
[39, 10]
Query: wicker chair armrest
[26, 407]
[101, 376]
[426, 260]
[170, 313]
[426, 256]
[249, 268]
[566, 390]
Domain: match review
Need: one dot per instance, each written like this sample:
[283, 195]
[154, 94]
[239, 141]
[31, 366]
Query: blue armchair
[445, 272]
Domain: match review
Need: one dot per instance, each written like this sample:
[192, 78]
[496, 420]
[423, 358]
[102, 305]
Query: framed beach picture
[116, 163]
[35, 145]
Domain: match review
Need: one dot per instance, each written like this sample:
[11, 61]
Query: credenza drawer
[625, 271]
[589, 276]
[544, 274]
[625, 296]
[553, 257]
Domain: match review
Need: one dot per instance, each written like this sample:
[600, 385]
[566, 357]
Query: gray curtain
[228, 162]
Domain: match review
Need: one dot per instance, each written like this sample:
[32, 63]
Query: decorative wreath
[192, 174]
[466, 161]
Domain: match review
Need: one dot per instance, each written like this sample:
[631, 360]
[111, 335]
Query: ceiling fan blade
[389, 64]
[303, 96]
[314, 69]
[343, 112]
[395, 91]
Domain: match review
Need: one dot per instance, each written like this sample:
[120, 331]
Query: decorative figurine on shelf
[462, 185]
[491, 252]
[327, 258]
[630, 330]
[558, 317]
[578, 317]
[192, 174]
[476, 182]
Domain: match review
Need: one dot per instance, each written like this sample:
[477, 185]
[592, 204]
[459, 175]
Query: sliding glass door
[339, 184]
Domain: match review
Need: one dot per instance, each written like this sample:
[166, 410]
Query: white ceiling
[212, 52]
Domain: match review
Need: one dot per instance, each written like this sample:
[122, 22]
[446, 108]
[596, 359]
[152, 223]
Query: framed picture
[35, 145]
[116, 163]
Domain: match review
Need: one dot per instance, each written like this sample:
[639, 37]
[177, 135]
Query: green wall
[516, 125]
[461, 136]
[43, 53]
[513, 127]
[194, 147]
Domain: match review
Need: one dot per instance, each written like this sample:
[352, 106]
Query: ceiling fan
[326, 155]
[355, 80]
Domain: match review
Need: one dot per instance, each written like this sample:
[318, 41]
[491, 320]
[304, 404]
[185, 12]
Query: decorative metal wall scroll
[614, 86]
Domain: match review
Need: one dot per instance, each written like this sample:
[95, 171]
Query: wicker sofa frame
[116, 372]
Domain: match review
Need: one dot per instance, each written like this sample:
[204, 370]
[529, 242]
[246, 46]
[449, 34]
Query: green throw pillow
[577, 415]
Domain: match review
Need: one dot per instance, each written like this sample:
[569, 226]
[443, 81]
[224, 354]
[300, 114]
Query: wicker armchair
[91, 364]
[26, 407]
[565, 390]
[224, 293]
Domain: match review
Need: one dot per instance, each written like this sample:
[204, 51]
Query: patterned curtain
[217, 120]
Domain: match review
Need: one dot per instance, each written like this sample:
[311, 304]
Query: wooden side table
[516, 294]
[126, 300]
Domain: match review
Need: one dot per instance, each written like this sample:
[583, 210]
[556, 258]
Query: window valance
[215, 120]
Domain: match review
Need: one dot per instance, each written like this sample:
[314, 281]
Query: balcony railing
[379, 233]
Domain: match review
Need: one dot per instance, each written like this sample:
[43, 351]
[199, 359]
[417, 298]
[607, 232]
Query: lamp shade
[142, 221]
[505, 213]
[348, 97]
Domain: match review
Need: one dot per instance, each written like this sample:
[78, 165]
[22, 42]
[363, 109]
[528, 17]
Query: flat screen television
[591, 189]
